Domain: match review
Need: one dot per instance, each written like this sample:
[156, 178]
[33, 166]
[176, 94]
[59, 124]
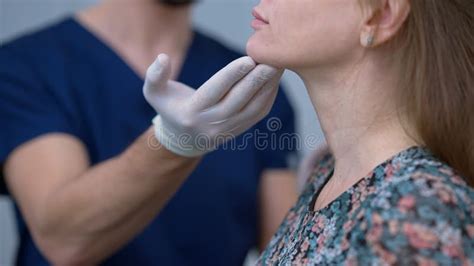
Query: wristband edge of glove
[163, 136]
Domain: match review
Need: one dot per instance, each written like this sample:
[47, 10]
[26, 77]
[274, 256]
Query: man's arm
[80, 215]
[277, 194]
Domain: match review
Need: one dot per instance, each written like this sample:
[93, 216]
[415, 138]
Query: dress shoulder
[421, 214]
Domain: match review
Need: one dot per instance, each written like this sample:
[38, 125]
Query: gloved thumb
[157, 75]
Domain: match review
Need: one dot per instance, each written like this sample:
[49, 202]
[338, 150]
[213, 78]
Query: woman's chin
[262, 58]
[264, 54]
[257, 52]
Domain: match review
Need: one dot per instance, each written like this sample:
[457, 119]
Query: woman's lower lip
[257, 23]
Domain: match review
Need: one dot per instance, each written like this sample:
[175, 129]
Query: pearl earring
[370, 40]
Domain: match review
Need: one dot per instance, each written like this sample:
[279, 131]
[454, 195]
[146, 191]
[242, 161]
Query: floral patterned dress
[410, 210]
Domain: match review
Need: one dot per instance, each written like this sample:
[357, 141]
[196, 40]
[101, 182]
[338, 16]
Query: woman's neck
[357, 111]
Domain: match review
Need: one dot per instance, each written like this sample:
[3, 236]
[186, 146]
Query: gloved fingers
[157, 76]
[218, 85]
[255, 111]
[262, 103]
[245, 90]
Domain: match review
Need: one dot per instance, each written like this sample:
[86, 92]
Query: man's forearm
[89, 218]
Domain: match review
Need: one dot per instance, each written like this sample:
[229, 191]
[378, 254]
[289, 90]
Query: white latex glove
[192, 122]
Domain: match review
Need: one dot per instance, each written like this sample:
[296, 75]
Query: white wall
[227, 19]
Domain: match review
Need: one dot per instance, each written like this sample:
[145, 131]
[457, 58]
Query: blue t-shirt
[64, 79]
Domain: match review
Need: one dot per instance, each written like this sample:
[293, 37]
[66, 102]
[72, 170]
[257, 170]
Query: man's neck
[139, 30]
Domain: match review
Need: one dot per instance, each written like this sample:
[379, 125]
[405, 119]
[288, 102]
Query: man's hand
[193, 122]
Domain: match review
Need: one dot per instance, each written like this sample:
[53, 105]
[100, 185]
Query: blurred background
[228, 20]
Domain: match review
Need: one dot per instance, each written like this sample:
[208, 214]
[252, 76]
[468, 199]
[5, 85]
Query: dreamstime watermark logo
[272, 136]
[274, 124]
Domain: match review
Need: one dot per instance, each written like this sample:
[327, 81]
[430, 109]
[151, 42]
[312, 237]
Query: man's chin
[175, 3]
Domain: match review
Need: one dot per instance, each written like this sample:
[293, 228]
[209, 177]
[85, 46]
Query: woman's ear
[383, 22]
